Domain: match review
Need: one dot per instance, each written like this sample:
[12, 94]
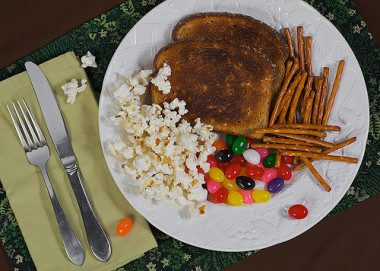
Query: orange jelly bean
[220, 145]
[124, 226]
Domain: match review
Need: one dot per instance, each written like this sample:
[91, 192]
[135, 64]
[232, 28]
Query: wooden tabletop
[346, 241]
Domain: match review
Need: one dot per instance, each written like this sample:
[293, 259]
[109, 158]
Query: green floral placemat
[103, 34]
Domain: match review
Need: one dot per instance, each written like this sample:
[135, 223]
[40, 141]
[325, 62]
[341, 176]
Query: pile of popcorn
[161, 151]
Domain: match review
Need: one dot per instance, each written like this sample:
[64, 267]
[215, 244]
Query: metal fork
[37, 152]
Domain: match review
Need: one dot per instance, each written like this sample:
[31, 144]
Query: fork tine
[30, 128]
[19, 133]
[35, 123]
[25, 131]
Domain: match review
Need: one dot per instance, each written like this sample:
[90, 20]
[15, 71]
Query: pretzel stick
[277, 163]
[260, 132]
[334, 90]
[289, 39]
[307, 113]
[306, 95]
[321, 156]
[317, 176]
[330, 150]
[308, 54]
[318, 89]
[314, 141]
[287, 97]
[309, 126]
[301, 51]
[270, 139]
[281, 94]
[322, 102]
[287, 147]
[296, 97]
[288, 66]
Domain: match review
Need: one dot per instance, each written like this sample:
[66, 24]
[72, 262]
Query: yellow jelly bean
[235, 198]
[216, 174]
[260, 196]
[230, 185]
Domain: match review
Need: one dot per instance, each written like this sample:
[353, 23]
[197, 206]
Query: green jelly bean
[230, 140]
[270, 160]
[239, 145]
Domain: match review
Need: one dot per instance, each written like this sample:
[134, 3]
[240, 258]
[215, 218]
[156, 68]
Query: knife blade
[96, 236]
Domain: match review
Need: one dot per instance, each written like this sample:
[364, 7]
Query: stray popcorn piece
[159, 149]
[194, 210]
[161, 79]
[72, 88]
[88, 60]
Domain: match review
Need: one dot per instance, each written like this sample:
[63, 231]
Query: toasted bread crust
[240, 29]
[224, 85]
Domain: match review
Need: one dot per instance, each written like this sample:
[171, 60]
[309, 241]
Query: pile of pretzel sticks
[301, 111]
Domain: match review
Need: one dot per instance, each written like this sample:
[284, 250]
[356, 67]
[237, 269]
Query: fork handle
[96, 236]
[71, 242]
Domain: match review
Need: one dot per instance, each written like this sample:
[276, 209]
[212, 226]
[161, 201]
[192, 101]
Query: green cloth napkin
[26, 190]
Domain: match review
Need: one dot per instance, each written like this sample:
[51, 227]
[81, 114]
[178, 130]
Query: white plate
[256, 226]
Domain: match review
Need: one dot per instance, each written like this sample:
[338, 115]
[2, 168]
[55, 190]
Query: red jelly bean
[284, 172]
[221, 195]
[238, 159]
[212, 160]
[207, 177]
[223, 166]
[232, 171]
[298, 211]
[200, 170]
[255, 172]
[287, 159]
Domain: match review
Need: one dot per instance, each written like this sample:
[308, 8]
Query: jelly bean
[249, 142]
[275, 185]
[260, 196]
[238, 159]
[207, 177]
[260, 165]
[220, 145]
[124, 226]
[213, 186]
[243, 171]
[255, 172]
[270, 160]
[284, 172]
[252, 156]
[200, 170]
[269, 174]
[223, 156]
[230, 185]
[263, 152]
[287, 159]
[221, 195]
[247, 196]
[212, 160]
[230, 139]
[298, 211]
[239, 145]
[223, 166]
[216, 174]
[245, 183]
[232, 171]
[235, 198]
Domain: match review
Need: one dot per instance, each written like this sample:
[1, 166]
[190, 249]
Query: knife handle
[96, 236]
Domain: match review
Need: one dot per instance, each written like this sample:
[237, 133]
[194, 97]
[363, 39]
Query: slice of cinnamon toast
[240, 29]
[227, 86]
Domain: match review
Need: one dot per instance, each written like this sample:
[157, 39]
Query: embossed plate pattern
[257, 226]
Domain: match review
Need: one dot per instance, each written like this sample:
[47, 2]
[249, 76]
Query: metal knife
[96, 236]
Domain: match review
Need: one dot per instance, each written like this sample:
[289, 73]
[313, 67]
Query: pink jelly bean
[269, 174]
[262, 151]
[260, 165]
[213, 186]
[247, 196]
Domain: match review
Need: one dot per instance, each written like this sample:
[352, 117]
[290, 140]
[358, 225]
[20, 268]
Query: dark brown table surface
[346, 241]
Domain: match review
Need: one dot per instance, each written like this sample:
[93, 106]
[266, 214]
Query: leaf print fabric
[103, 34]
